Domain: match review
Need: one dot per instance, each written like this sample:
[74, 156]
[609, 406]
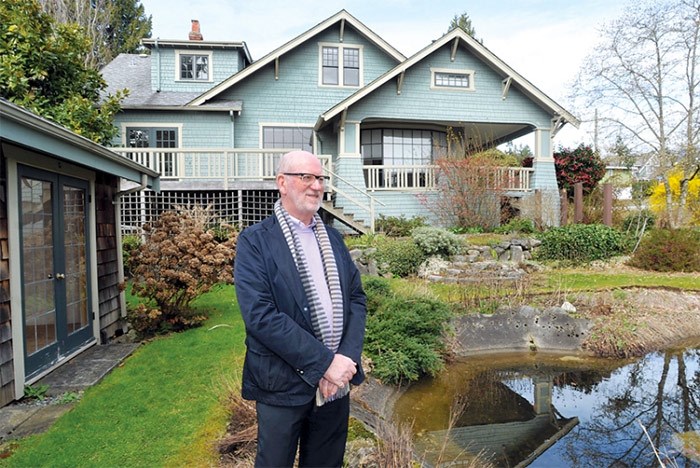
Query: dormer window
[341, 65]
[445, 78]
[194, 66]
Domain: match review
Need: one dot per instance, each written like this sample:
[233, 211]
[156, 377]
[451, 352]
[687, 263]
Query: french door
[54, 250]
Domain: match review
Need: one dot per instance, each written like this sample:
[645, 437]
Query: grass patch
[586, 280]
[163, 407]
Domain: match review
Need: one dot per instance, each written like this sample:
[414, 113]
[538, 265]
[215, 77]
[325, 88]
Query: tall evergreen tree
[113, 26]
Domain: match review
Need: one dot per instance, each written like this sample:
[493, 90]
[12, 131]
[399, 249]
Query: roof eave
[17, 114]
[270, 57]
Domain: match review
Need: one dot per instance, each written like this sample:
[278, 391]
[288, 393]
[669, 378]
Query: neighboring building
[379, 121]
[60, 262]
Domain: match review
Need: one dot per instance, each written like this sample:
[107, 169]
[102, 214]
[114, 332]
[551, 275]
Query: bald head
[291, 161]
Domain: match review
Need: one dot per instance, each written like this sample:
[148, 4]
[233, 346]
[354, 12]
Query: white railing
[241, 164]
[425, 177]
[211, 164]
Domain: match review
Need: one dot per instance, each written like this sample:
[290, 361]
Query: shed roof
[27, 129]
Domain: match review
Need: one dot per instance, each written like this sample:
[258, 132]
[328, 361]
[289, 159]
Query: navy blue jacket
[284, 360]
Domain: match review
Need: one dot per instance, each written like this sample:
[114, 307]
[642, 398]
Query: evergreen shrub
[582, 243]
[400, 226]
[405, 336]
[520, 225]
[400, 257]
[668, 250]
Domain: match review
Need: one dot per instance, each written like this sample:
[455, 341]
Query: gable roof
[342, 16]
[456, 36]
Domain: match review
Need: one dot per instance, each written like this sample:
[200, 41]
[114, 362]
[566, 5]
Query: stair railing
[369, 207]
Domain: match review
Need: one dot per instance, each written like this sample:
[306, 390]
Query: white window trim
[262, 125]
[340, 48]
[178, 126]
[453, 71]
[208, 53]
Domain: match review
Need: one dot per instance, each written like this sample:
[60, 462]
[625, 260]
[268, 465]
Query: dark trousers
[320, 432]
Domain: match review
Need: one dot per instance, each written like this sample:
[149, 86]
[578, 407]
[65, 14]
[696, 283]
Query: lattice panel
[238, 207]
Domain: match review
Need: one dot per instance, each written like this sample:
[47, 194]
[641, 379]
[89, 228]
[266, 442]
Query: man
[304, 310]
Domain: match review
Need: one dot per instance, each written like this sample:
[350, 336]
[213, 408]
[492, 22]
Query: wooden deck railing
[229, 165]
[425, 177]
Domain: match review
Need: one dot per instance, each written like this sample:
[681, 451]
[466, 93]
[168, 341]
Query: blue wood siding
[199, 129]
[224, 63]
[418, 101]
[296, 96]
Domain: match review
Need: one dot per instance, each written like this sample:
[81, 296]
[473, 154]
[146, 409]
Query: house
[60, 266]
[377, 119]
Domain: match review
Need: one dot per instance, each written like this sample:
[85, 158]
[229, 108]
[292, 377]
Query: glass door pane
[38, 258]
[75, 258]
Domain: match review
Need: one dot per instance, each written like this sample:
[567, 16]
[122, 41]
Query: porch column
[545, 207]
[348, 166]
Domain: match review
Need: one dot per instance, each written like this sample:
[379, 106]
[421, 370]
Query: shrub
[130, 244]
[398, 226]
[668, 250]
[179, 260]
[581, 164]
[521, 225]
[405, 338]
[582, 243]
[377, 290]
[437, 241]
[400, 257]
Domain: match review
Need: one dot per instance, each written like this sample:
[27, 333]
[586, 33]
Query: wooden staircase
[348, 220]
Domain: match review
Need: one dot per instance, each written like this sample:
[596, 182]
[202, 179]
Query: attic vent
[195, 35]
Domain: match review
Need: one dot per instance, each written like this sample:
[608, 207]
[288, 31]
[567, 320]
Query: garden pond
[553, 410]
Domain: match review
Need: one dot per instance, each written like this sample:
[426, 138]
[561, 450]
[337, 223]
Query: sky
[545, 41]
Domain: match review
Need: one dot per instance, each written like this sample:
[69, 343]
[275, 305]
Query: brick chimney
[195, 35]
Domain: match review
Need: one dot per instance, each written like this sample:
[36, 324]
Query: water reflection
[553, 410]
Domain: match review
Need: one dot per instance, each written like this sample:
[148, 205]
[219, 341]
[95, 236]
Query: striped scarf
[329, 333]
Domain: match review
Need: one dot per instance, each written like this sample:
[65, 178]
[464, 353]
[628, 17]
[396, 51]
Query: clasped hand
[338, 375]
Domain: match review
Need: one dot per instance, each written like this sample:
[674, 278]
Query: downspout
[120, 252]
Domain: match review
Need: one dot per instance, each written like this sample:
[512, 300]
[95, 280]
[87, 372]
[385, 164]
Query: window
[287, 137]
[401, 147]
[452, 79]
[340, 61]
[194, 66]
[154, 137]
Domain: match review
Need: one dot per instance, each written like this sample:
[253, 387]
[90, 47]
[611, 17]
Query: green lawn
[163, 407]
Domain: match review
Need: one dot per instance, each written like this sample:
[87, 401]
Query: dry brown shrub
[180, 259]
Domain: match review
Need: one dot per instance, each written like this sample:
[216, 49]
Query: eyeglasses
[307, 178]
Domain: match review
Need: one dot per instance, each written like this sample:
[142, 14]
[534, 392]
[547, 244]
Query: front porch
[240, 185]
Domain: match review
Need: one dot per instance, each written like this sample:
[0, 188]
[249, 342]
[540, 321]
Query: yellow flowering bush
[657, 200]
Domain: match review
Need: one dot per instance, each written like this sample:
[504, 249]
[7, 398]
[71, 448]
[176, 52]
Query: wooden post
[564, 207]
[607, 204]
[578, 202]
